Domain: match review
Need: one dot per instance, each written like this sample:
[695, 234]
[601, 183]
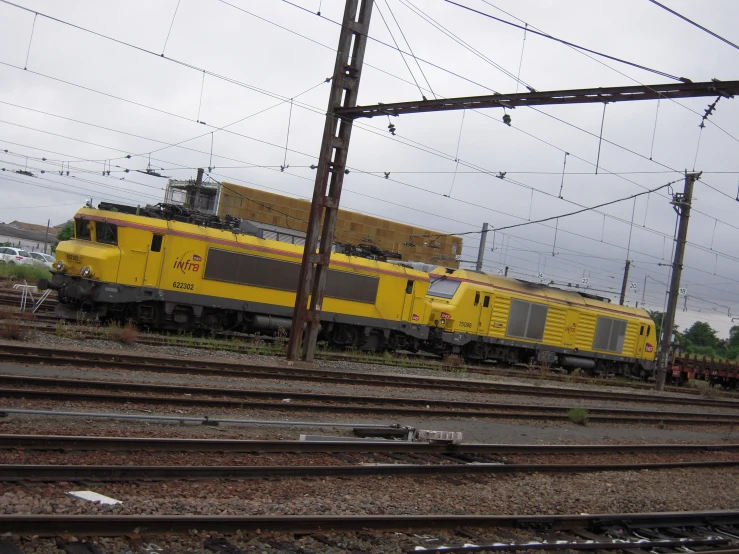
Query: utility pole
[681, 204]
[46, 238]
[331, 166]
[198, 184]
[481, 250]
[623, 285]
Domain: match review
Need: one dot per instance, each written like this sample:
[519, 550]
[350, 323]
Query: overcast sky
[86, 102]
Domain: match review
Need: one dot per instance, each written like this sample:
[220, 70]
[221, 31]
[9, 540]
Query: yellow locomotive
[168, 268]
[486, 316]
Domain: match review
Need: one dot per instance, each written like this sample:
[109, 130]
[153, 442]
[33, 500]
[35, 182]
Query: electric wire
[701, 27]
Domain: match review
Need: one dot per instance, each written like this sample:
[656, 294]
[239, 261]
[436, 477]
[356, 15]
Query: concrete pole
[681, 202]
[481, 249]
[623, 285]
[46, 238]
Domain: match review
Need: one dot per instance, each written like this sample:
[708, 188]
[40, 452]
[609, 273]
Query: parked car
[39, 258]
[10, 255]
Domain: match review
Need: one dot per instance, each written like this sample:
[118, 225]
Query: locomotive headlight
[59, 266]
[86, 272]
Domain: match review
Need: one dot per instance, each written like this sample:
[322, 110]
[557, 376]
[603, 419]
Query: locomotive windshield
[443, 288]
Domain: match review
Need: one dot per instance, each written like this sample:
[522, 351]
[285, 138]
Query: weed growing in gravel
[578, 416]
[705, 387]
[128, 334]
[661, 425]
[11, 329]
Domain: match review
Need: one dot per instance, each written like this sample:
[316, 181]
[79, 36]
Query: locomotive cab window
[486, 302]
[609, 334]
[107, 232]
[527, 320]
[82, 229]
[443, 288]
[477, 298]
[156, 243]
[409, 286]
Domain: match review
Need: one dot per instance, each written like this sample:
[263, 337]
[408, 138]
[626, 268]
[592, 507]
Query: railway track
[639, 532]
[159, 444]
[108, 473]
[34, 355]
[122, 393]
[334, 459]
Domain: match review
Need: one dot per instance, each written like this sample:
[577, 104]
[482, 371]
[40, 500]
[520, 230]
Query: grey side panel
[244, 269]
[350, 286]
[258, 271]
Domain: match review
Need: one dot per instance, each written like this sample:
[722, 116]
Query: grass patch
[11, 329]
[128, 334]
[705, 388]
[29, 273]
[579, 416]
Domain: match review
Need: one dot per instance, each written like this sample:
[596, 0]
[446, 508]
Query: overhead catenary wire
[701, 27]
[408, 44]
[377, 7]
[169, 32]
[545, 35]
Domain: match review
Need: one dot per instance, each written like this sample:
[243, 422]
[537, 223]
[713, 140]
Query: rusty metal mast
[331, 166]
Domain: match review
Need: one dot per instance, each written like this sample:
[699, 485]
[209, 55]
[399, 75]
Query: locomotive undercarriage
[480, 351]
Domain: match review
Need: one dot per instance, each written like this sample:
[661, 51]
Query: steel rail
[47, 356]
[148, 525]
[355, 409]
[636, 545]
[249, 398]
[149, 444]
[21, 472]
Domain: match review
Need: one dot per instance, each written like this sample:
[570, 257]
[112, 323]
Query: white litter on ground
[94, 497]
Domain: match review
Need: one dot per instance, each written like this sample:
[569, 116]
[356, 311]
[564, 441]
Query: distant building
[29, 236]
[203, 198]
[285, 218]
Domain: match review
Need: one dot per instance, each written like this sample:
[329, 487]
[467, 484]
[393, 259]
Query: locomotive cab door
[641, 340]
[154, 259]
[486, 308]
[569, 335]
[408, 298]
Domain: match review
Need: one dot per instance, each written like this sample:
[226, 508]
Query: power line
[662, 73]
[701, 27]
[377, 7]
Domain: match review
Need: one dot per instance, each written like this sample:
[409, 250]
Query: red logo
[649, 348]
[196, 258]
[185, 265]
[445, 315]
[415, 317]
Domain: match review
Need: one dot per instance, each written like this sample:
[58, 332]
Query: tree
[657, 317]
[701, 334]
[66, 233]
[734, 336]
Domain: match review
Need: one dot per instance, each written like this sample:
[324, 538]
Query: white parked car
[10, 255]
[39, 258]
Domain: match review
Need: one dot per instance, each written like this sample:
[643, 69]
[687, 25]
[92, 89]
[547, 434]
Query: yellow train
[487, 316]
[163, 271]
[168, 268]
